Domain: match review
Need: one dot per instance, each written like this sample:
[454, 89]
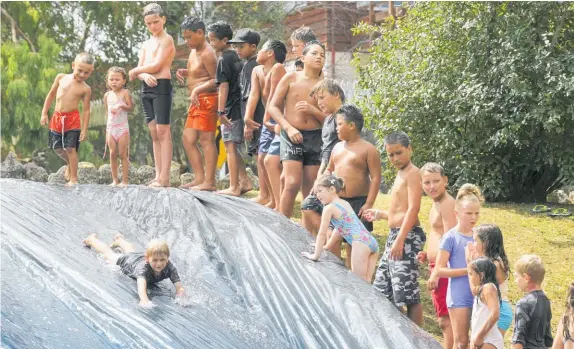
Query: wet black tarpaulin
[240, 264]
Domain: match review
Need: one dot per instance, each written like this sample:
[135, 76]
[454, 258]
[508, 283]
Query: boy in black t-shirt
[532, 314]
[147, 268]
[229, 107]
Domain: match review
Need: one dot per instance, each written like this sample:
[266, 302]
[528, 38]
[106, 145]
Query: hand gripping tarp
[247, 285]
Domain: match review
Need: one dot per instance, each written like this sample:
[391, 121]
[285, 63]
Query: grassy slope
[524, 233]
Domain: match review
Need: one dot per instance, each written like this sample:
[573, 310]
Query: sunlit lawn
[524, 233]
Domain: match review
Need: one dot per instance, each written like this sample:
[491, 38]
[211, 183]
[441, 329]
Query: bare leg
[348, 254]
[164, 135]
[121, 242]
[264, 195]
[73, 165]
[273, 167]
[309, 177]
[460, 321]
[64, 156]
[292, 172]
[123, 145]
[156, 148]
[360, 260]
[189, 139]
[245, 183]
[233, 160]
[373, 259]
[100, 247]
[311, 221]
[445, 326]
[112, 145]
[206, 139]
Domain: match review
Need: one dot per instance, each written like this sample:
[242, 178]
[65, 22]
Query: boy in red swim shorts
[441, 219]
[66, 128]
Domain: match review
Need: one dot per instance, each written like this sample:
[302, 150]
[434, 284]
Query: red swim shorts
[439, 295]
[63, 122]
[203, 117]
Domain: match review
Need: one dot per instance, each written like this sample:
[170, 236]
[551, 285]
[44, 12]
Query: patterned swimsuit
[352, 229]
[117, 119]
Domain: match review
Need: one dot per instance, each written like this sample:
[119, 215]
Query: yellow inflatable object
[221, 154]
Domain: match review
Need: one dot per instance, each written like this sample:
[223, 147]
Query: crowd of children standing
[306, 139]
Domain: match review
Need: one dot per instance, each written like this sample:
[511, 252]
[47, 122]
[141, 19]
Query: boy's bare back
[441, 214]
[159, 49]
[296, 87]
[201, 67]
[350, 161]
[69, 92]
[408, 179]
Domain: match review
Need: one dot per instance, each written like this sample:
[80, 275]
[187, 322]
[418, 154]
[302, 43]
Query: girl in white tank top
[486, 305]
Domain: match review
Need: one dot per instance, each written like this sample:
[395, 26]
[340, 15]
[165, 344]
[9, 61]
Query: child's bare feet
[88, 241]
[71, 183]
[271, 204]
[245, 187]
[159, 184]
[123, 184]
[116, 242]
[205, 187]
[261, 200]
[193, 183]
[114, 183]
[231, 192]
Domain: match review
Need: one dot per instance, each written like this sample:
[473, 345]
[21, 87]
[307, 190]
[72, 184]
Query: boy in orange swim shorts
[66, 128]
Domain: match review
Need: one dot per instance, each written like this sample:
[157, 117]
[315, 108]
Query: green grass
[524, 233]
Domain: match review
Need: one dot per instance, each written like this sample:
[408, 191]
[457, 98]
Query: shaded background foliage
[41, 39]
[484, 88]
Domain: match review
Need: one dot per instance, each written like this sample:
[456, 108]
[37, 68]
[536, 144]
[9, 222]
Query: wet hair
[299, 64]
[397, 137]
[193, 24]
[310, 44]
[487, 271]
[568, 312]
[491, 236]
[85, 57]
[328, 181]
[157, 247]
[352, 114]
[279, 49]
[117, 70]
[221, 30]
[469, 192]
[532, 266]
[304, 34]
[432, 167]
[329, 86]
[153, 9]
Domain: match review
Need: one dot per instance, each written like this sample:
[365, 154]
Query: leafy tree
[485, 88]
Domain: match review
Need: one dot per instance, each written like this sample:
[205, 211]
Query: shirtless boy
[330, 97]
[299, 38]
[153, 70]
[398, 271]
[201, 120]
[297, 113]
[441, 219]
[66, 128]
[265, 77]
[229, 105]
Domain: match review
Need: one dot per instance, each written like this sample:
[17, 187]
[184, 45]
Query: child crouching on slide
[147, 268]
[340, 214]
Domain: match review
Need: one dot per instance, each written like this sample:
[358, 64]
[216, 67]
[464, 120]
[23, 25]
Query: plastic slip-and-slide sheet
[247, 285]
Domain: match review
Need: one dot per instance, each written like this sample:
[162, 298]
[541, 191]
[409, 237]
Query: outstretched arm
[322, 234]
[179, 290]
[142, 291]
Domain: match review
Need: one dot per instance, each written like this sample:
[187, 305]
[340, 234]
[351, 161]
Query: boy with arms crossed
[154, 70]
[202, 114]
[66, 129]
[441, 219]
[300, 121]
[397, 274]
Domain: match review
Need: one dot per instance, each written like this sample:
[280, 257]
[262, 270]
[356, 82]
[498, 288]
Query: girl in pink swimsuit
[118, 103]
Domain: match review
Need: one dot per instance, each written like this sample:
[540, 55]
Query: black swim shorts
[308, 152]
[70, 140]
[157, 101]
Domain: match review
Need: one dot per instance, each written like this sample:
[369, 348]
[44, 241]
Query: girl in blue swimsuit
[341, 216]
